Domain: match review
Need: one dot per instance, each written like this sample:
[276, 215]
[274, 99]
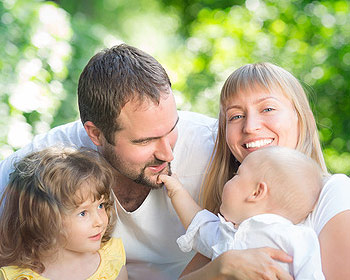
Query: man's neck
[130, 194]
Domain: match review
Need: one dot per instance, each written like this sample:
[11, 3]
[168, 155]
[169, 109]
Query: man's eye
[142, 142]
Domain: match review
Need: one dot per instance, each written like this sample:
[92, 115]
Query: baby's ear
[259, 193]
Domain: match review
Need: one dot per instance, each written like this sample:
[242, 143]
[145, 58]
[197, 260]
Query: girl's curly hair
[42, 189]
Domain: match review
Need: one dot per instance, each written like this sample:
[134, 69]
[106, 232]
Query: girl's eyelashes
[82, 213]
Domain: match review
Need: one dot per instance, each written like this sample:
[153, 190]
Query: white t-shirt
[334, 199]
[211, 235]
[149, 233]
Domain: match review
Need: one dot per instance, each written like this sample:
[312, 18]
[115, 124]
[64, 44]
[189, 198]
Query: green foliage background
[44, 46]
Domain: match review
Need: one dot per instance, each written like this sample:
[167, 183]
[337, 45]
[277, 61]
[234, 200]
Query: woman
[264, 105]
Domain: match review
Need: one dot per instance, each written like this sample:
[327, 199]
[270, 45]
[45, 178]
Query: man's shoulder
[68, 128]
[194, 145]
[188, 118]
[196, 129]
[72, 133]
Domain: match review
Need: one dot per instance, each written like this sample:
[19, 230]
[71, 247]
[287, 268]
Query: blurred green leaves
[35, 52]
[45, 45]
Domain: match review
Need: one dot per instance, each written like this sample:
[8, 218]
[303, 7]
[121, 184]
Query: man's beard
[143, 180]
[125, 170]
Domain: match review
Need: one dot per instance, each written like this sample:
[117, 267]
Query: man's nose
[164, 150]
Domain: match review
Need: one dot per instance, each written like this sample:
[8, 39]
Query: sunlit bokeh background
[45, 45]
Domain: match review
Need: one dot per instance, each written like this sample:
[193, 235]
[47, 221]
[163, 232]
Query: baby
[274, 189]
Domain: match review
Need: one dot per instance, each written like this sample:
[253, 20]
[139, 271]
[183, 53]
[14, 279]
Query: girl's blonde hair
[247, 78]
[42, 189]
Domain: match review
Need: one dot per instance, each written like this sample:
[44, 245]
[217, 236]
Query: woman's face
[259, 118]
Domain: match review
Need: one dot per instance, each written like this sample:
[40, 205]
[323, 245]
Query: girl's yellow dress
[112, 256]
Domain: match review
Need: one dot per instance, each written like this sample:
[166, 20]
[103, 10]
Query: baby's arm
[184, 205]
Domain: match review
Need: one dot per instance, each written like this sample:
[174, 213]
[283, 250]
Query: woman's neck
[66, 264]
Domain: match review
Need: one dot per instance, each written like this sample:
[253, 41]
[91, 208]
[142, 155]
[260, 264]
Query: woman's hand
[253, 264]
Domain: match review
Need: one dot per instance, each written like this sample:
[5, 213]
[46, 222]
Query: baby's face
[234, 205]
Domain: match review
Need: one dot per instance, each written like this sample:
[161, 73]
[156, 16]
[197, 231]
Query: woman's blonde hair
[250, 77]
[42, 189]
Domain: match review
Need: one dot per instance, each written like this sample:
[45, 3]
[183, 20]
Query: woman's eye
[268, 109]
[101, 206]
[236, 117]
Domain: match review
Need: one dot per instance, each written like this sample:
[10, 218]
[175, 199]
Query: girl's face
[259, 118]
[85, 225]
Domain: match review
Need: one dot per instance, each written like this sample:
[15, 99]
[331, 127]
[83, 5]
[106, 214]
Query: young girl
[57, 218]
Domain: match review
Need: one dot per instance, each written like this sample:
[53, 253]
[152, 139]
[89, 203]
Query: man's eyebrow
[137, 141]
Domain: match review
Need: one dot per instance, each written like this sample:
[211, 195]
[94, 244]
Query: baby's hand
[172, 183]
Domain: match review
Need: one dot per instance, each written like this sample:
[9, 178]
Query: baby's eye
[82, 213]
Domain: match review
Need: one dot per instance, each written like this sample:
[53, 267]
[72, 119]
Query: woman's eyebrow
[259, 100]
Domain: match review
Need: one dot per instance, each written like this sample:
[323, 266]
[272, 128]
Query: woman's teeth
[258, 144]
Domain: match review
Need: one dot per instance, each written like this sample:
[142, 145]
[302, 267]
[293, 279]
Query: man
[129, 114]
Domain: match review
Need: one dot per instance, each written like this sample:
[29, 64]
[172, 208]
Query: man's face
[144, 146]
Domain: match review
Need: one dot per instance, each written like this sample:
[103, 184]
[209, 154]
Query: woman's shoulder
[15, 272]
[335, 187]
[337, 179]
[334, 199]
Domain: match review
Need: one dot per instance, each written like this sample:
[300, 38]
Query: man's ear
[260, 192]
[94, 133]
